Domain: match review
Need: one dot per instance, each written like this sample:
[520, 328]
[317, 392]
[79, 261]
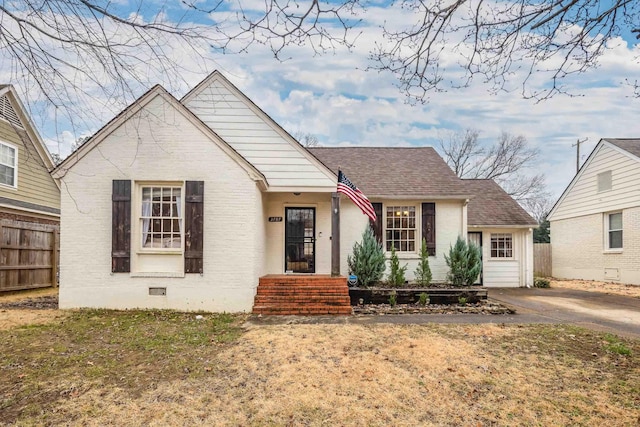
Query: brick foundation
[302, 295]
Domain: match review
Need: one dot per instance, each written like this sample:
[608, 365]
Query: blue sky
[333, 97]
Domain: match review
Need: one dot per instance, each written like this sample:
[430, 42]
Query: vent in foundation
[611, 274]
[157, 291]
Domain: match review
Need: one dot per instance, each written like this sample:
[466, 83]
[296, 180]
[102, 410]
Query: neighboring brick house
[192, 203]
[595, 225]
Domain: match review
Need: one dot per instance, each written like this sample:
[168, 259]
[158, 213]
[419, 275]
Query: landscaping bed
[481, 307]
[441, 300]
[440, 295]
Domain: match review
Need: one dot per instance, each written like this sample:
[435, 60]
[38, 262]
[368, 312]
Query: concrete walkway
[593, 310]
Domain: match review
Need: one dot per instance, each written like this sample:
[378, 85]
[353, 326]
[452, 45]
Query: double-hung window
[501, 245]
[8, 164]
[614, 231]
[401, 228]
[161, 217]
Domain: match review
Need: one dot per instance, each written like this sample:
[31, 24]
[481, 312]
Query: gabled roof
[420, 172]
[632, 145]
[400, 172]
[627, 146]
[232, 93]
[25, 120]
[492, 206]
[134, 108]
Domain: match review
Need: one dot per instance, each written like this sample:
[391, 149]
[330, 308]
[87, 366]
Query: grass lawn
[99, 367]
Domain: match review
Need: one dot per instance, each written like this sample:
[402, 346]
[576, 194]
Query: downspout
[527, 263]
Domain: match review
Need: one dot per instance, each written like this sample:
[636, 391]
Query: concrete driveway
[595, 310]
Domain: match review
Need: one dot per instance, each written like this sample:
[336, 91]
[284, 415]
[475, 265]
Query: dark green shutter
[193, 227]
[376, 225]
[429, 226]
[121, 226]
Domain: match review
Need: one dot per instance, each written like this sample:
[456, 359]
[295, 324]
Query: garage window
[501, 245]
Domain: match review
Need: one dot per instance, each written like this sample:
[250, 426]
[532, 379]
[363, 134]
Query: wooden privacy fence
[542, 259]
[29, 255]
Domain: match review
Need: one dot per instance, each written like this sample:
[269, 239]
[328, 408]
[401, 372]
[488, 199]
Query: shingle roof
[393, 172]
[491, 205]
[630, 145]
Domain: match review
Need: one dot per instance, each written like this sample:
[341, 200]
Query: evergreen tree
[464, 262]
[541, 234]
[423, 271]
[367, 260]
[396, 273]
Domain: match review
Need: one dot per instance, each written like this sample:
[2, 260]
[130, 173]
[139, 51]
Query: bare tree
[67, 51]
[539, 208]
[308, 140]
[493, 40]
[460, 150]
[506, 161]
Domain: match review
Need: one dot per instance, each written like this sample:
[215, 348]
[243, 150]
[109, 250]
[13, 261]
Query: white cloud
[334, 98]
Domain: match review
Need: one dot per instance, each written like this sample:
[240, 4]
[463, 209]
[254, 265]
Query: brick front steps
[302, 295]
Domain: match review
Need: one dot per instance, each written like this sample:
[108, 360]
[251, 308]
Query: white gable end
[586, 196]
[263, 144]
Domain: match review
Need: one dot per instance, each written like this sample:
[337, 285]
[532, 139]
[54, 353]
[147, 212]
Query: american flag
[351, 191]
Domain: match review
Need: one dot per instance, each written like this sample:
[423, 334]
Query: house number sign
[275, 219]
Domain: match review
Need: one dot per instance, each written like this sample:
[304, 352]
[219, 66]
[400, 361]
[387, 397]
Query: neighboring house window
[604, 181]
[501, 245]
[161, 217]
[614, 230]
[401, 228]
[8, 164]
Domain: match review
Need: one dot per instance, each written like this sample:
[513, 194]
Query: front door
[476, 238]
[300, 240]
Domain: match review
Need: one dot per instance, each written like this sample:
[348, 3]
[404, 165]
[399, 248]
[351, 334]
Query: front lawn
[99, 367]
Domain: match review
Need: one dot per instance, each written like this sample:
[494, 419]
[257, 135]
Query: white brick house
[595, 225]
[186, 204]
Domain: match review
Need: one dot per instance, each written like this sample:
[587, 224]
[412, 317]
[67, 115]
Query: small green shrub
[541, 282]
[393, 299]
[367, 260]
[424, 299]
[423, 271]
[464, 262]
[396, 273]
[462, 300]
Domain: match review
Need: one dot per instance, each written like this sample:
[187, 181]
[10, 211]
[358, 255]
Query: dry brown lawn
[102, 367]
[596, 286]
[10, 318]
[97, 367]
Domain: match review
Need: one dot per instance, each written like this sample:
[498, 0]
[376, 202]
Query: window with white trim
[161, 217]
[8, 164]
[400, 232]
[501, 245]
[614, 230]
